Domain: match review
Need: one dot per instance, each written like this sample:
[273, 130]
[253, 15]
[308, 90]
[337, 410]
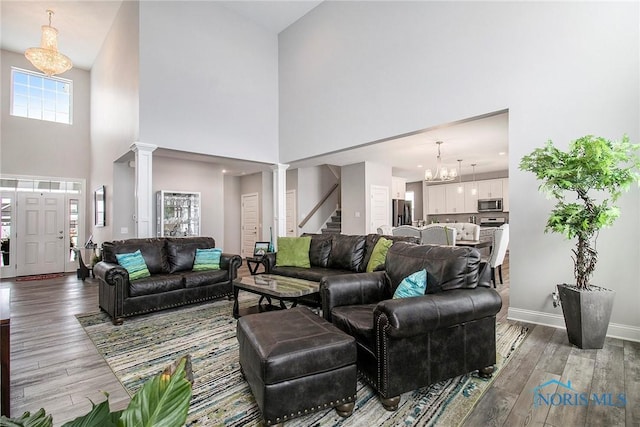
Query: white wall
[42, 148]
[232, 236]
[353, 200]
[114, 113]
[208, 81]
[354, 72]
[192, 176]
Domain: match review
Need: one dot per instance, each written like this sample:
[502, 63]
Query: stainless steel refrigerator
[401, 212]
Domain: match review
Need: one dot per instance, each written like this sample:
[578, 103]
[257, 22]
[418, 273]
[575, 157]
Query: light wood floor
[54, 364]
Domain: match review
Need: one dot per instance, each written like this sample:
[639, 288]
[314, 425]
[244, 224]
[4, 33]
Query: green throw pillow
[134, 264]
[414, 285]
[207, 259]
[379, 253]
[293, 252]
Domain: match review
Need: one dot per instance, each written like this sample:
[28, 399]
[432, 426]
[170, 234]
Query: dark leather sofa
[330, 255]
[407, 343]
[172, 282]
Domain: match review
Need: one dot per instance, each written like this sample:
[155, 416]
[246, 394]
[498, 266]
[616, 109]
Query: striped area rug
[144, 345]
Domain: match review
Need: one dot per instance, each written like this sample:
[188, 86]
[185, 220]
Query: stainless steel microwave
[489, 205]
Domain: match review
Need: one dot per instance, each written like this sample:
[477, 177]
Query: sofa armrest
[232, 263]
[111, 274]
[351, 289]
[407, 317]
[269, 261]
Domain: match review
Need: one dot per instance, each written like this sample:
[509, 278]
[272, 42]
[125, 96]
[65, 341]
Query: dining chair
[438, 234]
[406, 230]
[498, 252]
[385, 230]
[466, 230]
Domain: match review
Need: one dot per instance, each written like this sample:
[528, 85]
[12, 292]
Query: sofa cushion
[357, 321]
[372, 240]
[194, 279]
[347, 252]
[181, 251]
[319, 250]
[379, 254]
[134, 264]
[156, 284]
[153, 251]
[207, 259]
[414, 285]
[448, 267]
[315, 274]
[293, 251]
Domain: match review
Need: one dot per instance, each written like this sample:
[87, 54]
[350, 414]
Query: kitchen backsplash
[466, 217]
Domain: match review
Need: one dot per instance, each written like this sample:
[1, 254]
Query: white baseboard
[616, 330]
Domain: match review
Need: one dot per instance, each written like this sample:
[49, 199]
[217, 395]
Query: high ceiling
[83, 26]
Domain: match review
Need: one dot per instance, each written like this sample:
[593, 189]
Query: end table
[254, 262]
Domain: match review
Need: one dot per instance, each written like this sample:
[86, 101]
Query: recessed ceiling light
[419, 166]
[224, 171]
[502, 153]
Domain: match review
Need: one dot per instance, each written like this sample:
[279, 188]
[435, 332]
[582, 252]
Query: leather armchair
[404, 344]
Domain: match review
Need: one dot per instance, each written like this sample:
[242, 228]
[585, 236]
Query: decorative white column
[143, 188]
[279, 201]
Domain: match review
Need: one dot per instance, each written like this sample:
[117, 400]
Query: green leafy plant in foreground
[591, 164]
[162, 401]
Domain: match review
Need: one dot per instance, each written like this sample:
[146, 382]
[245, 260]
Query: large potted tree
[586, 181]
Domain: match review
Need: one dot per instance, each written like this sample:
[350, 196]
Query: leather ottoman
[295, 363]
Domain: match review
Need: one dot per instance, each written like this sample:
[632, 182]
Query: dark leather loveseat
[172, 282]
[407, 343]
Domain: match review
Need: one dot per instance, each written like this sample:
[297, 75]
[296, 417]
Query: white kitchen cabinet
[398, 188]
[490, 189]
[454, 198]
[437, 199]
[178, 213]
[471, 197]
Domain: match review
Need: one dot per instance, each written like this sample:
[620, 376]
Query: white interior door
[40, 235]
[249, 223]
[291, 213]
[380, 207]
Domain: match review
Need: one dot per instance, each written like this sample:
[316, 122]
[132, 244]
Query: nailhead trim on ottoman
[296, 363]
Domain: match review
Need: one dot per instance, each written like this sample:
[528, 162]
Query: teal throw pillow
[379, 254]
[134, 264]
[293, 252]
[207, 259]
[414, 285]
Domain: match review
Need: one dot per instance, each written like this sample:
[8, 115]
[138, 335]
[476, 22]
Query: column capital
[279, 167]
[142, 146]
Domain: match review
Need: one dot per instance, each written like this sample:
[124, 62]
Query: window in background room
[36, 96]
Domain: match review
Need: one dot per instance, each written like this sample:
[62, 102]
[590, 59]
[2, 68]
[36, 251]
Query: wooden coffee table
[270, 286]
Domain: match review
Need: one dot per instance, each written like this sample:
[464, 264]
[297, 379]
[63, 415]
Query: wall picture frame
[260, 249]
[99, 199]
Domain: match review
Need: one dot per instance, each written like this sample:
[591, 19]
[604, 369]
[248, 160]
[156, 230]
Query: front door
[249, 223]
[40, 233]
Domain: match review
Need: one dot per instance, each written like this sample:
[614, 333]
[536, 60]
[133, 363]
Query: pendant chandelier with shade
[442, 174]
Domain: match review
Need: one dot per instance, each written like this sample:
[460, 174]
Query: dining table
[478, 244]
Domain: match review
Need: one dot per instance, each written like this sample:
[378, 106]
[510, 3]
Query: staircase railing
[319, 204]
